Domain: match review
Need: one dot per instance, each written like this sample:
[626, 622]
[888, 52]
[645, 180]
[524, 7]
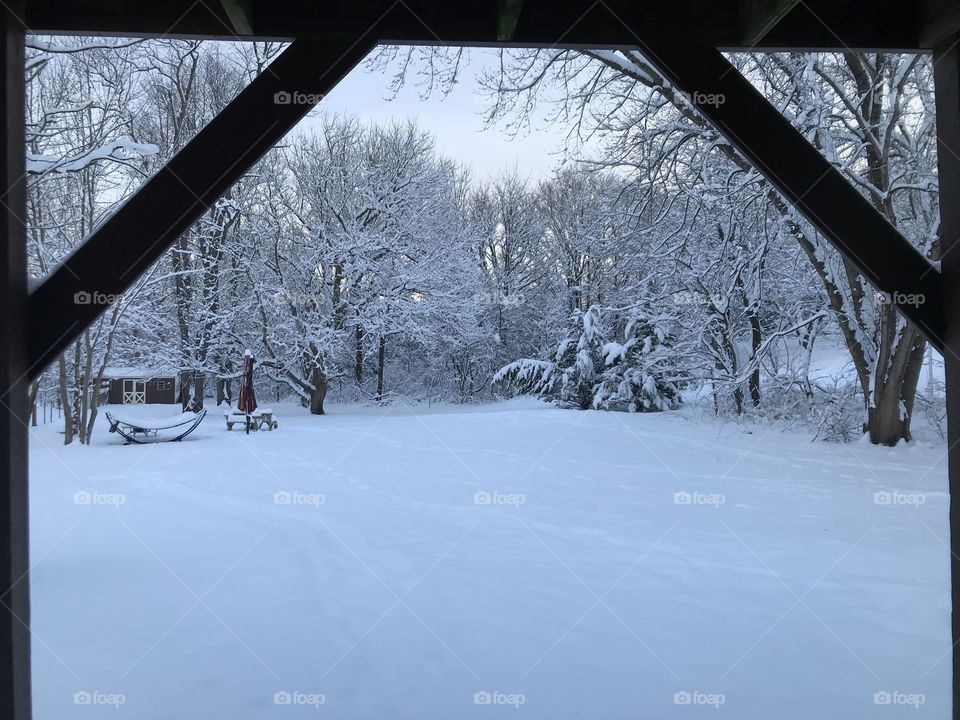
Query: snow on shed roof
[136, 372]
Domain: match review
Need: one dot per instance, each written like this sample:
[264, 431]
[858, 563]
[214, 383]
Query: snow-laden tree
[870, 114]
[361, 252]
[520, 292]
[591, 240]
[873, 116]
[187, 83]
[596, 366]
[81, 160]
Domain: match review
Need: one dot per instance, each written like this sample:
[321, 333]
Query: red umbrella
[247, 402]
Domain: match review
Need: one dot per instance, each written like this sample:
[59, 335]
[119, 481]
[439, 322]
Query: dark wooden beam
[805, 178]
[822, 24]
[939, 22]
[946, 70]
[140, 231]
[14, 514]
[507, 21]
[239, 14]
[758, 18]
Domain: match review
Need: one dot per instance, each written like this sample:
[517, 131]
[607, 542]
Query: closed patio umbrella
[247, 402]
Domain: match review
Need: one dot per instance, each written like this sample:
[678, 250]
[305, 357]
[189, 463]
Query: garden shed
[139, 386]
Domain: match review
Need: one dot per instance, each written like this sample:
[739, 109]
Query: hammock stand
[148, 430]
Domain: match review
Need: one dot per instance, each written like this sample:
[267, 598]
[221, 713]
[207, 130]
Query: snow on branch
[120, 150]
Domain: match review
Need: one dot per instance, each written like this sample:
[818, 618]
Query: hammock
[146, 430]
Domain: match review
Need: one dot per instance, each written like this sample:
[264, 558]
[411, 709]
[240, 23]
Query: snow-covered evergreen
[594, 367]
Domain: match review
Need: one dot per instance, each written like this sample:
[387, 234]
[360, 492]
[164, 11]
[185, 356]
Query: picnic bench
[259, 419]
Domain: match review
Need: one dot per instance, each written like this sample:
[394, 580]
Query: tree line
[357, 259]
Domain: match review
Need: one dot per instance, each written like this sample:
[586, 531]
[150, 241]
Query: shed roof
[138, 373]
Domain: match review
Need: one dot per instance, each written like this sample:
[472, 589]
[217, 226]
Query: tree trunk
[87, 389]
[224, 391]
[199, 388]
[381, 359]
[34, 390]
[895, 386]
[755, 340]
[738, 399]
[358, 364]
[185, 385]
[884, 422]
[730, 350]
[319, 381]
[182, 295]
[75, 394]
[65, 402]
[91, 420]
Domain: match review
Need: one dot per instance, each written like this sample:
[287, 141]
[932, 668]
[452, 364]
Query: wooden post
[947, 78]
[14, 412]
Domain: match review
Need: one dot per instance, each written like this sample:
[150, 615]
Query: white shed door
[134, 392]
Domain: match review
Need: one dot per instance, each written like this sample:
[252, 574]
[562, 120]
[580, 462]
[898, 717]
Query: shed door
[134, 392]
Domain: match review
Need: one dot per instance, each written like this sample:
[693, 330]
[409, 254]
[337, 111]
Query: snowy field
[512, 560]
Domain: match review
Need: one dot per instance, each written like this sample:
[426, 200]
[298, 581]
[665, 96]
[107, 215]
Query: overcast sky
[455, 120]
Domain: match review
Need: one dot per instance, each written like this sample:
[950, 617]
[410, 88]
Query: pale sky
[455, 120]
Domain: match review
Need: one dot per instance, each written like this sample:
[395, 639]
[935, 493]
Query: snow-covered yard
[512, 560]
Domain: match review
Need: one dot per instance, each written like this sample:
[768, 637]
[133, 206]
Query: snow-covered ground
[513, 560]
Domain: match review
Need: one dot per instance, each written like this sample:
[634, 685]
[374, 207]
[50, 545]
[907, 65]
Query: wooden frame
[946, 70]
[14, 510]
[765, 24]
[342, 32]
